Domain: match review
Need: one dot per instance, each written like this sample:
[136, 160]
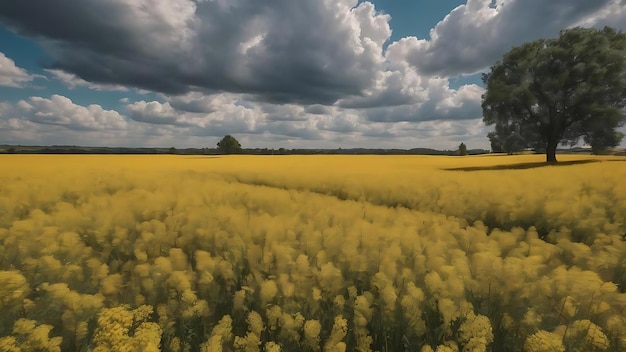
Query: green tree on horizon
[462, 149]
[229, 145]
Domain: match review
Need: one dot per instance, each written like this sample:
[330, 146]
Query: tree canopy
[557, 91]
[462, 149]
[229, 145]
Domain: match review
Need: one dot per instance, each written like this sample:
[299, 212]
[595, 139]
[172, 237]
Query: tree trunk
[551, 152]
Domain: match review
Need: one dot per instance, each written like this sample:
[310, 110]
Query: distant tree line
[216, 151]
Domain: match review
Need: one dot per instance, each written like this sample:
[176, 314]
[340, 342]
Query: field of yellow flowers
[312, 253]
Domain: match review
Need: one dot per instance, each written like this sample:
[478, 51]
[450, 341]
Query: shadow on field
[204, 157]
[521, 166]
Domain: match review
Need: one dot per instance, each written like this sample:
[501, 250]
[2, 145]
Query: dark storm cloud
[280, 51]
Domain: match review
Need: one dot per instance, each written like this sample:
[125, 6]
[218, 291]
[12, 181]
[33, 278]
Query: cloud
[287, 112]
[458, 130]
[199, 115]
[278, 51]
[72, 81]
[443, 103]
[199, 102]
[61, 111]
[474, 36]
[303, 130]
[442, 135]
[215, 115]
[60, 121]
[153, 112]
[14, 130]
[391, 88]
[344, 123]
[224, 113]
[11, 75]
[612, 15]
[317, 109]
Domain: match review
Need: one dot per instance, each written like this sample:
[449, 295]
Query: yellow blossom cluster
[319, 253]
[28, 335]
[544, 341]
[120, 329]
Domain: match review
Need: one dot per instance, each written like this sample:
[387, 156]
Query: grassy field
[312, 253]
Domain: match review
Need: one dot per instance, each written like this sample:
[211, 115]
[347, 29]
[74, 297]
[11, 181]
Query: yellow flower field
[312, 253]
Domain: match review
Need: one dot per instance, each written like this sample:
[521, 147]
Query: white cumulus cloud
[475, 35]
[61, 111]
[11, 75]
[72, 81]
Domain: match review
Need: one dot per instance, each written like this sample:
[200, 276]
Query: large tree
[229, 145]
[555, 91]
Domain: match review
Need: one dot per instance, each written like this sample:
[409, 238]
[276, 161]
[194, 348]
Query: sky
[272, 73]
